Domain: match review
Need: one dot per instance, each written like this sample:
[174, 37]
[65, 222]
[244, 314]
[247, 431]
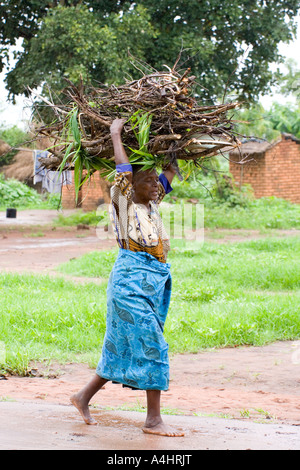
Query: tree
[254, 122]
[72, 42]
[218, 33]
[214, 35]
[258, 122]
[285, 118]
[290, 82]
[269, 124]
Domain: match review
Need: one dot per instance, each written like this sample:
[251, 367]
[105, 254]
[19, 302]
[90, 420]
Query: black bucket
[11, 213]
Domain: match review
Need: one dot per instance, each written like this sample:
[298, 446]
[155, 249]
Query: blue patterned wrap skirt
[134, 351]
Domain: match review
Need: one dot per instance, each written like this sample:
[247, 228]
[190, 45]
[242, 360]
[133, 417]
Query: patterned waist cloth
[134, 351]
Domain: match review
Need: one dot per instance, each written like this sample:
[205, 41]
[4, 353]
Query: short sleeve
[166, 185]
[123, 184]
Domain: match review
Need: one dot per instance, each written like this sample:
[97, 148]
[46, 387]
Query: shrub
[16, 194]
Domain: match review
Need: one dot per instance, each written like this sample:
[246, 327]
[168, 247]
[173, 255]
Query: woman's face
[145, 184]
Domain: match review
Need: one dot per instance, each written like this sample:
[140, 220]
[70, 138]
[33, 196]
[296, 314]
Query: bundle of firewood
[164, 123]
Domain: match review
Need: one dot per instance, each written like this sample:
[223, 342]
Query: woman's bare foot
[162, 429]
[83, 409]
[154, 423]
[81, 399]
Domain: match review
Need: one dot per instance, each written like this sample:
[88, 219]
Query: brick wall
[283, 170]
[91, 194]
[276, 172]
[68, 197]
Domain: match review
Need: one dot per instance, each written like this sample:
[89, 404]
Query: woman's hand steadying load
[117, 126]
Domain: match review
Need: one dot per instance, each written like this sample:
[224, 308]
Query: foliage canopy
[93, 38]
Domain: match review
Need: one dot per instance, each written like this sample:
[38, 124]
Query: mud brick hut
[272, 169]
[94, 192]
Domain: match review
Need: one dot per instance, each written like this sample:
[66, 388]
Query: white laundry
[51, 180]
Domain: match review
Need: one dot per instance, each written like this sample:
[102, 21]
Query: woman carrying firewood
[134, 351]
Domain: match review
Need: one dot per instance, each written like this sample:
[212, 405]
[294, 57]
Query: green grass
[79, 217]
[260, 214]
[223, 295]
[264, 213]
[94, 264]
[228, 295]
[44, 317]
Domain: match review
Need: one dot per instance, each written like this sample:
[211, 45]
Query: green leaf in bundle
[79, 158]
[144, 130]
[66, 156]
[147, 160]
[141, 153]
[74, 128]
[134, 123]
[143, 122]
[78, 168]
[141, 156]
[106, 168]
[102, 164]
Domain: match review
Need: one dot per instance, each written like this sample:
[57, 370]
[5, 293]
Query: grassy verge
[223, 295]
[261, 214]
[49, 318]
[79, 217]
[229, 295]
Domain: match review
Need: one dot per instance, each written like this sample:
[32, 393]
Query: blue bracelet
[122, 167]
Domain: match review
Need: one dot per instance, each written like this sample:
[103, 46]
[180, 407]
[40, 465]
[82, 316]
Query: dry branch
[181, 128]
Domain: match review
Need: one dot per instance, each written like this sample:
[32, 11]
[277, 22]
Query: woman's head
[145, 184]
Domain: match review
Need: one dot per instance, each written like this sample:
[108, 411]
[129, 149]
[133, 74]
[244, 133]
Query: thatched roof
[252, 147]
[4, 147]
[22, 167]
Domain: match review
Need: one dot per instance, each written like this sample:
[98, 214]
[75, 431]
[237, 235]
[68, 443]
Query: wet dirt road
[26, 426]
[31, 243]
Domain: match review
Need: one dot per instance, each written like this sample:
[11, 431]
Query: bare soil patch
[260, 383]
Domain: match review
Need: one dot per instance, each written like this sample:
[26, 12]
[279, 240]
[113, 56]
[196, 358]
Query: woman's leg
[154, 423]
[81, 399]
